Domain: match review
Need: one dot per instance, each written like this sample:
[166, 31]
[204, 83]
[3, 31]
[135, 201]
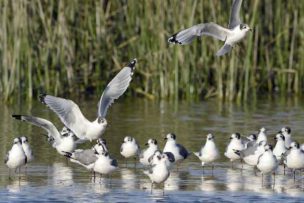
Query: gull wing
[68, 112]
[224, 50]
[183, 151]
[42, 123]
[234, 19]
[249, 150]
[210, 29]
[116, 88]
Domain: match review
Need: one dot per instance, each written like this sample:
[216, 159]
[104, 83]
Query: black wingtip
[173, 39]
[18, 117]
[67, 154]
[132, 63]
[42, 97]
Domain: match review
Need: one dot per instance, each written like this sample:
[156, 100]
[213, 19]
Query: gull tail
[237, 152]
[68, 154]
[42, 97]
[224, 50]
[197, 154]
[18, 117]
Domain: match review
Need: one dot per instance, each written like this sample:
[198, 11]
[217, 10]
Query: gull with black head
[71, 116]
[209, 152]
[129, 148]
[62, 142]
[178, 151]
[235, 144]
[235, 32]
[147, 153]
[16, 157]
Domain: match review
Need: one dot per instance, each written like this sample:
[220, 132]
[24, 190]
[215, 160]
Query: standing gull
[209, 152]
[61, 142]
[179, 151]
[235, 32]
[262, 135]
[16, 157]
[70, 114]
[267, 162]
[147, 153]
[294, 158]
[234, 144]
[129, 148]
[279, 148]
[286, 131]
[159, 172]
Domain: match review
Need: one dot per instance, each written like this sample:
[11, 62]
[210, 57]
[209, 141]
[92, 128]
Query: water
[51, 178]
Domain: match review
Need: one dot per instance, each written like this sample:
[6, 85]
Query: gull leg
[135, 163]
[9, 174]
[212, 167]
[164, 189]
[284, 168]
[294, 175]
[274, 179]
[110, 177]
[151, 187]
[262, 179]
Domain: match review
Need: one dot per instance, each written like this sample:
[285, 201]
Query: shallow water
[51, 178]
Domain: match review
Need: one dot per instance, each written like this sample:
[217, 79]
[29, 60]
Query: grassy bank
[70, 46]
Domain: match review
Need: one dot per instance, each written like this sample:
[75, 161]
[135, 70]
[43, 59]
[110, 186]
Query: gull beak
[165, 138]
[146, 144]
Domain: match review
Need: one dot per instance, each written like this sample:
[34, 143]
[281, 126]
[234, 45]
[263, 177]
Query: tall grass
[64, 47]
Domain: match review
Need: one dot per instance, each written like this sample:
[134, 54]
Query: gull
[209, 152]
[61, 142]
[129, 148]
[294, 158]
[159, 172]
[262, 135]
[16, 157]
[96, 160]
[267, 162]
[27, 149]
[71, 116]
[251, 154]
[179, 152]
[235, 144]
[235, 32]
[279, 148]
[154, 160]
[105, 165]
[286, 131]
[87, 156]
[147, 153]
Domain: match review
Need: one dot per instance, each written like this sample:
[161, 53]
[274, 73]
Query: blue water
[51, 178]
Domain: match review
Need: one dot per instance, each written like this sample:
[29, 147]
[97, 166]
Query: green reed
[70, 47]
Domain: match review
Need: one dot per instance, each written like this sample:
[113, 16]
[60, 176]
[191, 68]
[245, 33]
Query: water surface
[51, 178]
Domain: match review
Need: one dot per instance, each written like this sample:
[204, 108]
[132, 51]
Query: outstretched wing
[42, 123]
[116, 88]
[211, 29]
[234, 19]
[68, 112]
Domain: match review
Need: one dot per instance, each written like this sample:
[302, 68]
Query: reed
[74, 47]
